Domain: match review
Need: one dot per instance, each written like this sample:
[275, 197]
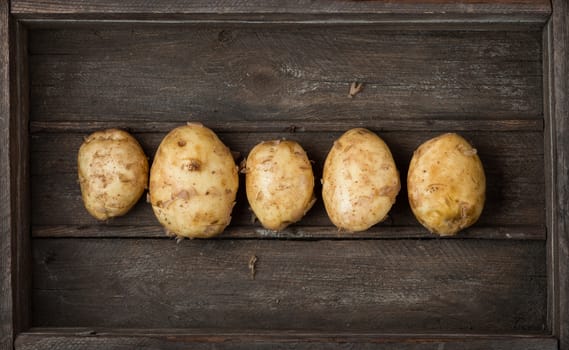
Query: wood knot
[224, 36]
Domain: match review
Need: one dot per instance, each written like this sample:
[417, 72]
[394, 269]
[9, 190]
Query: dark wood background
[253, 83]
[496, 63]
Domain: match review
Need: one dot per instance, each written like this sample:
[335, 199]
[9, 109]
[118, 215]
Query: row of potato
[194, 181]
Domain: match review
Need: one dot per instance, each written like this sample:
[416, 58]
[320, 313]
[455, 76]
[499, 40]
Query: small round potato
[113, 173]
[279, 183]
[360, 181]
[446, 184]
[193, 183]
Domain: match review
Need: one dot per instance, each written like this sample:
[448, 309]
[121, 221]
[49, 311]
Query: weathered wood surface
[293, 10]
[557, 120]
[155, 339]
[388, 285]
[20, 165]
[306, 125]
[381, 231]
[260, 82]
[223, 74]
[6, 188]
[513, 163]
[254, 84]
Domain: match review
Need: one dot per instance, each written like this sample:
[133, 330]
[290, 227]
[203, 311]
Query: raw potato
[360, 181]
[446, 184]
[280, 183]
[193, 183]
[113, 173]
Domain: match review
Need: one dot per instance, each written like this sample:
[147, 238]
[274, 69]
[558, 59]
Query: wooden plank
[56, 153]
[382, 231]
[157, 339]
[389, 24]
[286, 126]
[20, 158]
[240, 74]
[388, 285]
[418, 10]
[395, 24]
[511, 203]
[281, 334]
[513, 163]
[6, 189]
[558, 157]
[550, 180]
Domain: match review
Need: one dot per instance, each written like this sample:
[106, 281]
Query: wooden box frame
[15, 257]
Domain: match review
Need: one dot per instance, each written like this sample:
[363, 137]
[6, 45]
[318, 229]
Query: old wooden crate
[495, 71]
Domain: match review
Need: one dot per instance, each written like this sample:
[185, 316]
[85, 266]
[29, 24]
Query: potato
[113, 173]
[360, 181]
[193, 183]
[446, 184]
[279, 183]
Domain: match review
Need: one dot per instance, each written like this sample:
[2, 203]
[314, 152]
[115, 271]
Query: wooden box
[494, 71]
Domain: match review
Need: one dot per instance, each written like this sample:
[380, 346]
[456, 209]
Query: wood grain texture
[513, 164]
[558, 149]
[441, 10]
[224, 74]
[442, 286]
[300, 232]
[6, 189]
[550, 181]
[52, 339]
[20, 158]
[250, 82]
[306, 125]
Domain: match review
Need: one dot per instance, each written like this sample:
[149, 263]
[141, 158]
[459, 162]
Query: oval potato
[279, 183]
[446, 184]
[193, 183]
[113, 173]
[360, 181]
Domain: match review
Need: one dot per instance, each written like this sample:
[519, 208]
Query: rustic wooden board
[513, 161]
[20, 171]
[306, 125]
[408, 10]
[6, 189]
[557, 56]
[518, 156]
[152, 339]
[220, 73]
[381, 231]
[250, 81]
[14, 181]
[388, 285]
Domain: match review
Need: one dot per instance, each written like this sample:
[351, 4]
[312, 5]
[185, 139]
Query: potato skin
[446, 184]
[279, 183]
[113, 173]
[193, 183]
[360, 181]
